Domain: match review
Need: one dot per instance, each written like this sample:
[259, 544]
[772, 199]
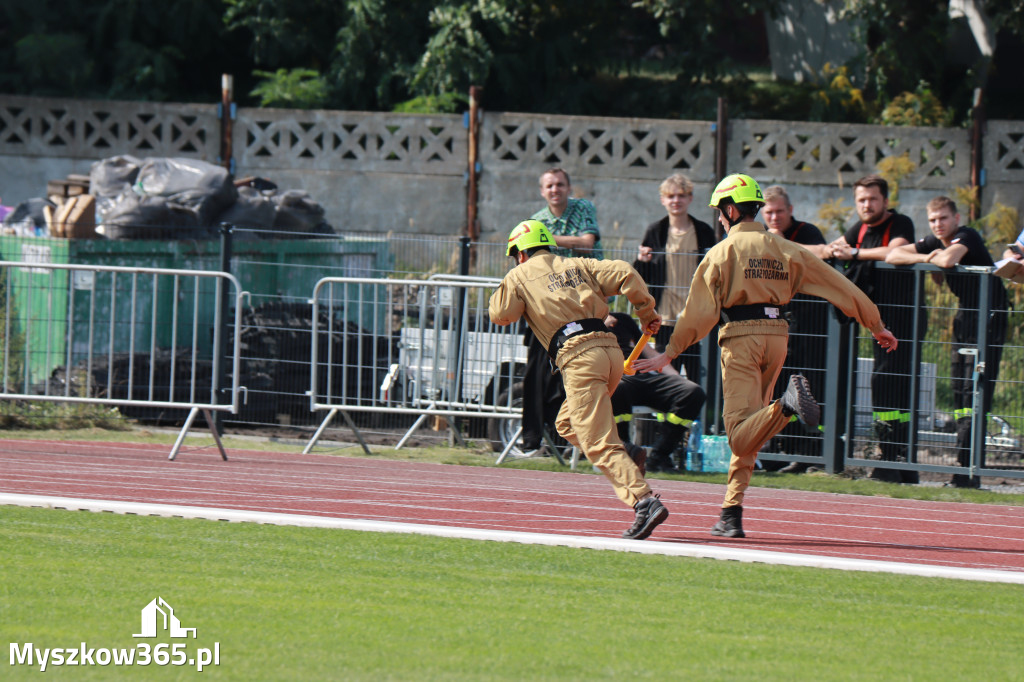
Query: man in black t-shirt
[808, 326]
[677, 399]
[879, 231]
[952, 244]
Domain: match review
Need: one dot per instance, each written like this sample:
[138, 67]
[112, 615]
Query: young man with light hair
[951, 244]
[669, 253]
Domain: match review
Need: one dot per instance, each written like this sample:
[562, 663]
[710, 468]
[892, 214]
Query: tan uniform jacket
[750, 266]
[551, 291]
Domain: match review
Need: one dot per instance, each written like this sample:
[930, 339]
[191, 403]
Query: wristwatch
[855, 252]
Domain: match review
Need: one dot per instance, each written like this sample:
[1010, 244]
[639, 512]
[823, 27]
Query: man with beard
[879, 231]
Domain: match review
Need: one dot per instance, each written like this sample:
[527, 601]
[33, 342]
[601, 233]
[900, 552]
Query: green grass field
[313, 604]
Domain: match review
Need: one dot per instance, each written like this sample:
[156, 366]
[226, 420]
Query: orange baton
[627, 366]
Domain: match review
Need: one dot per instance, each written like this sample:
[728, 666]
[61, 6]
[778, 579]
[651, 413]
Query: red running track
[958, 535]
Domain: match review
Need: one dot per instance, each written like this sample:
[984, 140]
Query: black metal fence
[869, 420]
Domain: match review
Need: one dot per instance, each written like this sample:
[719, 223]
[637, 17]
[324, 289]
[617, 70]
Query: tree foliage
[906, 47]
[291, 88]
[113, 48]
[662, 58]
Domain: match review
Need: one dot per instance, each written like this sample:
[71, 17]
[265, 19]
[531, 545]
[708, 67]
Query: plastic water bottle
[694, 447]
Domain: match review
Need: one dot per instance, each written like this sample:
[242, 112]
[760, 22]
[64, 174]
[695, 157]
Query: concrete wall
[382, 172]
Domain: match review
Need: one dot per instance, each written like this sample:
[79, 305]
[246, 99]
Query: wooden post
[472, 221]
[721, 150]
[227, 116]
[977, 142]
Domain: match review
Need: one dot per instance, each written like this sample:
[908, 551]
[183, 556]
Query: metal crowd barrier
[423, 347]
[146, 340]
[426, 347]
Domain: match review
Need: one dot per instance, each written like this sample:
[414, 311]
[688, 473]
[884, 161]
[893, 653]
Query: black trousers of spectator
[965, 335]
[670, 394]
[543, 394]
[689, 360]
[808, 352]
[891, 382]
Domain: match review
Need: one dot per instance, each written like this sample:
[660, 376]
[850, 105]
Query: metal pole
[837, 366]
[226, 238]
[456, 346]
[979, 415]
[915, 366]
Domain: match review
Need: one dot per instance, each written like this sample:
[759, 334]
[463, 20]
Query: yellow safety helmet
[739, 188]
[528, 234]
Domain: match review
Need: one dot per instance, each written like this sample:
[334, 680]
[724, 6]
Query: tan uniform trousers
[750, 367]
[591, 369]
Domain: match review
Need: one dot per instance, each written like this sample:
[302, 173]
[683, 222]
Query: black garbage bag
[204, 188]
[299, 214]
[252, 215]
[130, 216]
[109, 178]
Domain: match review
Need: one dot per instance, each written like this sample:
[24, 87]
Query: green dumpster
[61, 332]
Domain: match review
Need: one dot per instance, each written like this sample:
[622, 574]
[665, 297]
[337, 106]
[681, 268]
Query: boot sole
[808, 409]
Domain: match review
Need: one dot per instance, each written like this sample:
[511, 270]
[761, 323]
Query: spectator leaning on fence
[951, 244]
[808, 323]
[743, 282]
[879, 231]
[564, 300]
[669, 253]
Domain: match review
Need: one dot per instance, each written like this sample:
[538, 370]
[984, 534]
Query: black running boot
[730, 524]
[649, 513]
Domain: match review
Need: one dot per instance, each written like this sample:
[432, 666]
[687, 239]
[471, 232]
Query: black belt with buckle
[753, 311]
[590, 324]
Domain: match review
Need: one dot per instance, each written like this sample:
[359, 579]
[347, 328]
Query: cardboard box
[75, 218]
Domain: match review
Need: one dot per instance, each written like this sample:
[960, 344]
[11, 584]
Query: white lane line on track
[642, 547]
[329, 494]
[599, 526]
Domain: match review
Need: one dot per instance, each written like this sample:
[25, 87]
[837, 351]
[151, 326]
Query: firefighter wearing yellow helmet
[564, 300]
[527, 235]
[742, 283]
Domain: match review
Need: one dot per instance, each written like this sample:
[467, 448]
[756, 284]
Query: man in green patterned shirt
[572, 222]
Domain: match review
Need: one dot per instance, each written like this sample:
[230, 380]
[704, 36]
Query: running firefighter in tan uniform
[564, 300]
[742, 283]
